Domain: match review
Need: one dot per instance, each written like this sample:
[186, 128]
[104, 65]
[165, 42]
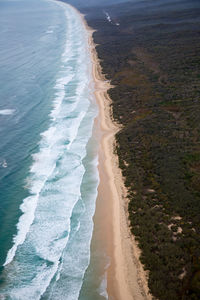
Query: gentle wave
[7, 112]
[51, 146]
[3, 164]
[28, 209]
[55, 183]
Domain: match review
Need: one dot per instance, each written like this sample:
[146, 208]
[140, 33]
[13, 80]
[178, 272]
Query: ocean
[48, 153]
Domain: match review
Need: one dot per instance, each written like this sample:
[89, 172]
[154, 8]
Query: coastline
[126, 278]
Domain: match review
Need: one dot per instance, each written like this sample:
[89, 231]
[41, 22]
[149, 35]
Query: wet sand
[126, 278]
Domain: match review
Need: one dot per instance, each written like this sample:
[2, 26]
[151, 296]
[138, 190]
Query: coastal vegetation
[150, 51]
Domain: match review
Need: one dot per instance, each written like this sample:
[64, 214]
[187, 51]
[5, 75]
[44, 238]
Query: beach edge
[126, 277]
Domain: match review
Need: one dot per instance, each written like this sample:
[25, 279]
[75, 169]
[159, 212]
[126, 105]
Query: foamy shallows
[51, 248]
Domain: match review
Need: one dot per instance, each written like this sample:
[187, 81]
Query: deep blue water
[48, 156]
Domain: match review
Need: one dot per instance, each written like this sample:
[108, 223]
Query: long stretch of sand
[126, 278]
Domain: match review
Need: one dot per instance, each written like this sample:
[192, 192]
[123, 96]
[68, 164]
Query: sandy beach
[126, 278]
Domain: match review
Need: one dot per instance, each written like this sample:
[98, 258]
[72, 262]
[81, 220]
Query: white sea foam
[3, 164]
[60, 95]
[26, 219]
[103, 287]
[36, 287]
[55, 180]
[6, 112]
[44, 164]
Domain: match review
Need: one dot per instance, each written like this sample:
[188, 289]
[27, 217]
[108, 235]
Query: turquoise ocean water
[48, 155]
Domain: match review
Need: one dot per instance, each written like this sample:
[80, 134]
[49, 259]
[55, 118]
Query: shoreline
[126, 278]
